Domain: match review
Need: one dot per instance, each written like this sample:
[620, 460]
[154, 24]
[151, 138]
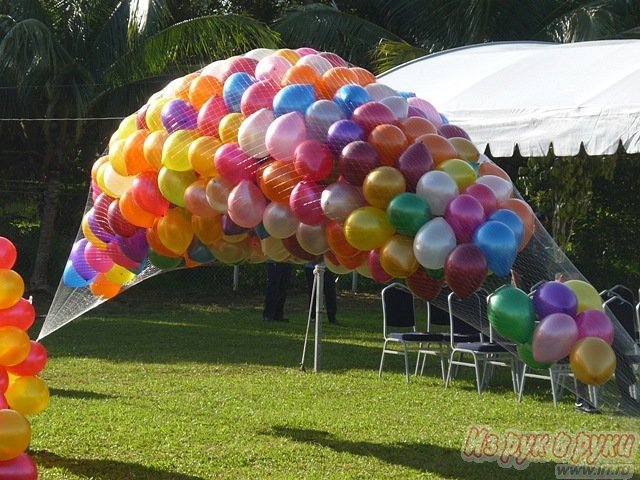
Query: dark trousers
[329, 291]
[278, 276]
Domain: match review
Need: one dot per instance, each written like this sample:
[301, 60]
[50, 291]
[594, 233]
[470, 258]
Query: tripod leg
[310, 316]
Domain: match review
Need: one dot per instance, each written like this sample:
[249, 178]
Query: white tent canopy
[534, 94]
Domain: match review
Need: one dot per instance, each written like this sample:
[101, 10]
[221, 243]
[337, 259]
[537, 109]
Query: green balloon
[407, 213]
[436, 274]
[162, 262]
[526, 354]
[511, 314]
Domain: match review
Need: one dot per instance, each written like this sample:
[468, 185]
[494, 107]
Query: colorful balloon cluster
[293, 155]
[562, 319]
[21, 360]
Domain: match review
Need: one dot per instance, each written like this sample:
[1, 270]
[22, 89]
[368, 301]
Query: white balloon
[501, 187]
[379, 91]
[398, 105]
[259, 53]
[438, 188]
[215, 69]
[279, 221]
[433, 243]
[253, 131]
[318, 63]
[338, 200]
[313, 238]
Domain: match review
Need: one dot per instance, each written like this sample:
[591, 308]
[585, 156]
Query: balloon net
[297, 156]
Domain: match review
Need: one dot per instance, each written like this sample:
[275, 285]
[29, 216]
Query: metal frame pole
[318, 272]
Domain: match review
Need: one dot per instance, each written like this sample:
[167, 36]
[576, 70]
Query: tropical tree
[66, 63]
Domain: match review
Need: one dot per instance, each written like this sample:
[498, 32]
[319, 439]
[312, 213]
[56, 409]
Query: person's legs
[271, 295]
[283, 284]
[330, 295]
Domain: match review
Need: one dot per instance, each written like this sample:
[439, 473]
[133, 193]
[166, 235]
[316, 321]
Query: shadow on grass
[106, 469]
[443, 461]
[80, 394]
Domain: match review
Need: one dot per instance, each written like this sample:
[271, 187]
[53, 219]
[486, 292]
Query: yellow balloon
[89, 235]
[154, 112]
[201, 153]
[289, 54]
[175, 152]
[119, 275]
[273, 248]
[28, 395]
[15, 434]
[116, 156]
[229, 126]
[364, 270]
[231, 252]
[397, 258]
[461, 172]
[11, 287]
[172, 184]
[175, 230]
[367, 228]
[592, 361]
[588, 296]
[466, 150]
[153, 148]
[100, 179]
[116, 183]
[207, 229]
[127, 126]
[14, 346]
[237, 238]
[382, 184]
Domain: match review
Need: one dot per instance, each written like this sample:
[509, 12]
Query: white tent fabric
[534, 94]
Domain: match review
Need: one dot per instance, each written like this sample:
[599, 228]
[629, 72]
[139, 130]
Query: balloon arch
[297, 156]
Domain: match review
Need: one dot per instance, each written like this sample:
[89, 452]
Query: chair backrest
[398, 308]
[625, 313]
[475, 301]
[624, 293]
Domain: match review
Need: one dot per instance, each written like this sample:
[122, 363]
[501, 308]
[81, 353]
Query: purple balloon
[98, 229]
[416, 112]
[414, 162]
[451, 131]
[79, 261]
[595, 323]
[356, 161]
[464, 214]
[555, 297]
[229, 227]
[136, 246]
[179, 115]
[554, 337]
[342, 133]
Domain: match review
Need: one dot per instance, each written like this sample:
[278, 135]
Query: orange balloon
[289, 54]
[153, 148]
[154, 241]
[103, 287]
[182, 86]
[490, 168]
[175, 230]
[134, 158]
[11, 287]
[96, 166]
[278, 180]
[525, 212]
[389, 142]
[208, 230]
[335, 78]
[134, 213]
[439, 147]
[14, 346]
[189, 263]
[15, 435]
[201, 153]
[353, 262]
[302, 74]
[337, 241]
[202, 89]
[363, 76]
[414, 127]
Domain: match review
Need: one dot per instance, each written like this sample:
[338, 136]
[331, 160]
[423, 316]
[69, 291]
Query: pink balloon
[485, 196]
[334, 59]
[464, 214]
[313, 160]
[257, 96]
[20, 468]
[305, 203]
[246, 204]
[284, 135]
[210, 115]
[238, 64]
[97, 259]
[554, 337]
[595, 323]
[233, 164]
[273, 67]
[304, 51]
[375, 267]
[372, 114]
[428, 110]
[195, 200]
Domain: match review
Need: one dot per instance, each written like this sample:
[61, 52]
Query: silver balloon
[501, 187]
[320, 116]
[398, 105]
[433, 243]
[313, 238]
[279, 221]
[217, 195]
[438, 189]
[338, 200]
[378, 91]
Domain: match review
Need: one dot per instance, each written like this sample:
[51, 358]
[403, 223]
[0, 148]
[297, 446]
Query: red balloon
[33, 364]
[4, 380]
[305, 203]
[20, 468]
[377, 272]
[8, 253]
[294, 248]
[3, 402]
[465, 269]
[257, 96]
[210, 115]
[147, 195]
[239, 64]
[423, 286]
[21, 315]
[118, 223]
[372, 114]
[313, 160]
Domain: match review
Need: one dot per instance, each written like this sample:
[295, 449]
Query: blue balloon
[294, 98]
[73, 279]
[350, 97]
[499, 245]
[511, 220]
[233, 89]
[320, 116]
[261, 232]
[199, 252]
[406, 94]
[445, 120]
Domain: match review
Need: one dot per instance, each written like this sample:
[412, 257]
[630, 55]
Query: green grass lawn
[143, 389]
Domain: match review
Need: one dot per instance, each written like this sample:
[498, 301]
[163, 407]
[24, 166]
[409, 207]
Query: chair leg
[384, 349]
[448, 379]
[418, 361]
[479, 380]
[554, 394]
[522, 379]
[514, 377]
[406, 361]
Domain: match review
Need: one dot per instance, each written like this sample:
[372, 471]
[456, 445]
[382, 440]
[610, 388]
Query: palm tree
[64, 61]
[386, 33]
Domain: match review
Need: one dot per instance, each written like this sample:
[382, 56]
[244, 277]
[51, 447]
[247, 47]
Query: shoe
[585, 407]
[267, 319]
